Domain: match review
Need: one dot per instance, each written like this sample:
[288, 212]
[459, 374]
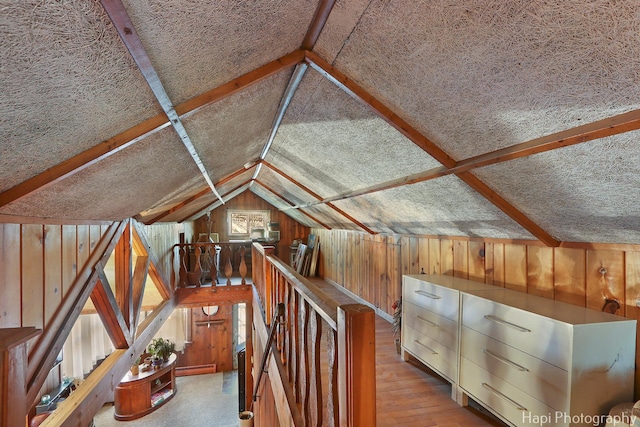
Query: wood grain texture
[515, 260]
[10, 304]
[569, 276]
[32, 262]
[477, 257]
[540, 271]
[52, 270]
[605, 278]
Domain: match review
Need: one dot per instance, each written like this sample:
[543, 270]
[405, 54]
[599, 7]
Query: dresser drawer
[543, 381]
[440, 329]
[432, 353]
[536, 335]
[503, 398]
[438, 299]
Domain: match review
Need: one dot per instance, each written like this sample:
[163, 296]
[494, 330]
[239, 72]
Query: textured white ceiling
[472, 77]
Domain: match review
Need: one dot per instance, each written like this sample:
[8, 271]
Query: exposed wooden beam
[614, 125]
[236, 85]
[198, 195]
[533, 228]
[140, 242]
[317, 24]
[266, 187]
[122, 22]
[357, 92]
[236, 188]
[423, 142]
[138, 281]
[123, 273]
[85, 159]
[112, 318]
[213, 295]
[317, 196]
[56, 331]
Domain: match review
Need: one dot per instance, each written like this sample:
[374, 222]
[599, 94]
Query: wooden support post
[356, 365]
[13, 375]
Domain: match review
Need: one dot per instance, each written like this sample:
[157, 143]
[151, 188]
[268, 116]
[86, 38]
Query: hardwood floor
[409, 394]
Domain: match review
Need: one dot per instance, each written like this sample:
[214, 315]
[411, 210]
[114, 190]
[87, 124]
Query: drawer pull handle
[518, 406]
[428, 322]
[427, 294]
[506, 361]
[431, 350]
[505, 323]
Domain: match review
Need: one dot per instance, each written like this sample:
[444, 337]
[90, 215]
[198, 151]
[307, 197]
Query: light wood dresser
[527, 359]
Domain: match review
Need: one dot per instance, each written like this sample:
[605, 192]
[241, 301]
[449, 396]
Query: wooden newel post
[13, 375]
[356, 365]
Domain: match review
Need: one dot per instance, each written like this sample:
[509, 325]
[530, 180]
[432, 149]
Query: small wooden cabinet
[138, 395]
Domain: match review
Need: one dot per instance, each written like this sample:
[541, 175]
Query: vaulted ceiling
[499, 119]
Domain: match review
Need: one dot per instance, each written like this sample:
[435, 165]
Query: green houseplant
[160, 349]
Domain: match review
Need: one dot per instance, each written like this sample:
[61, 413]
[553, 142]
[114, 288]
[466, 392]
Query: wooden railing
[202, 262]
[321, 381]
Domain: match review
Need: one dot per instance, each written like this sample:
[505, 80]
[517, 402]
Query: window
[241, 223]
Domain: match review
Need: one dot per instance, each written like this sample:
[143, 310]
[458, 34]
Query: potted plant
[135, 368]
[396, 326]
[160, 350]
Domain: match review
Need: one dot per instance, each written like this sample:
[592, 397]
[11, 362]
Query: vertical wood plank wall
[371, 267]
[289, 229]
[39, 262]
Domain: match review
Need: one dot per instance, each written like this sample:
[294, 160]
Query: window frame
[266, 215]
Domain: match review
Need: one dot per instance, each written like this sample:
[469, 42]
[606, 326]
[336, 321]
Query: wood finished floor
[407, 393]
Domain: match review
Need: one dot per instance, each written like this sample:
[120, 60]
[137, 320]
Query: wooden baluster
[304, 383]
[228, 267]
[286, 351]
[333, 416]
[315, 373]
[182, 275]
[197, 272]
[281, 287]
[214, 265]
[243, 265]
[294, 360]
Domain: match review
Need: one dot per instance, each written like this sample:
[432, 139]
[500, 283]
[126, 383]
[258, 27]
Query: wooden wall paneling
[52, 269]
[392, 289]
[380, 292]
[499, 265]
[32, 262]
[365, 264]
[84, 244]
[515, 267]
[423, 255]
[409, 248]
[434, 257]
[95, 233]
[632, 309]
[569, 282]
[446, 257]
[608, 285]
[461, 259]
[10, 309]
[540, 271]
[69, 256]
[477, 255]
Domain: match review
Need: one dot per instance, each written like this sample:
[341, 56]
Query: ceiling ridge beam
[318, 197]
[359, 93]
[123, 24]
[317, 24]
[269, 189]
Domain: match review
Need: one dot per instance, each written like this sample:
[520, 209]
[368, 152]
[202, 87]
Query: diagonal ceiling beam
[353, 89]
[614, 125]
[198, 195]
[148, 127]
[266, 187]
[227, 196]
[317, 196]
[122, 22]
